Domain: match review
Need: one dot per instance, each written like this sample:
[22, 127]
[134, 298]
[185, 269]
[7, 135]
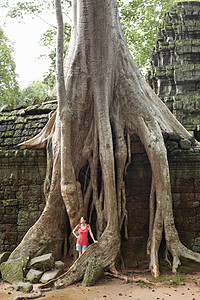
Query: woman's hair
[84, 218]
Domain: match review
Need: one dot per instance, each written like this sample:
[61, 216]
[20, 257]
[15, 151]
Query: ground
[183, 286]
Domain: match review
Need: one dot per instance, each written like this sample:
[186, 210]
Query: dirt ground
[183, 286]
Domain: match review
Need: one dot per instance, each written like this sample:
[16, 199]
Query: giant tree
[102, 100]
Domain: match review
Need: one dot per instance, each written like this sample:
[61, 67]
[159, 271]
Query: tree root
[36, 293]
[126, 278]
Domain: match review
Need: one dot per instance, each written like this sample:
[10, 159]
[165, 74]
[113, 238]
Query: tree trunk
[104, 101]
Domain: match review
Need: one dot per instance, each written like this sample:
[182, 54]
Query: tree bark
[104, 100]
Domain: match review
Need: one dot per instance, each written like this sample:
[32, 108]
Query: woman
[82, 237]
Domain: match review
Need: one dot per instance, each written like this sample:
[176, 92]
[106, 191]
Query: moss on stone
[34, 275]
[93, 273]
[44, 262]
[24, 287]
[13, 269]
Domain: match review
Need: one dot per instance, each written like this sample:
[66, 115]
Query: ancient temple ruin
[175, 77]
[175, 74]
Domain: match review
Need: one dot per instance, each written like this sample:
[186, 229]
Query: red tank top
[83, 235]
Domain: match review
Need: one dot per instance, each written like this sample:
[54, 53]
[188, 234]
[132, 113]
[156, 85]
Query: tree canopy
[9, 89]
[140, 21]
[35, 89]
[48, 38]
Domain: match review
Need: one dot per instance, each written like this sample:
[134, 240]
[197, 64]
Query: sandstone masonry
[175, 75]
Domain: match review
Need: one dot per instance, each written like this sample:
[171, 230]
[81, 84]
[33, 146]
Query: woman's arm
[91, 234]
[75, 229]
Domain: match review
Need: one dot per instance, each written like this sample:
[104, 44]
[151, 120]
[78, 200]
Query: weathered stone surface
[171, 145]
[19, 123]
[34, 275]
[21, 194]
[49, 275]
[196, 244]
[59, 264]
[173, 136]
[53, 273]
[4, 256]
[185, 183]
[131, 263]
[24, 287]
[13, 269]
[175, 74]
[44, 262]
[185, 144]
[22, 200]
[93, 273]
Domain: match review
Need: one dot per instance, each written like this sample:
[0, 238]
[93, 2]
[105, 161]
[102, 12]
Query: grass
[174, 280]
[144, 284]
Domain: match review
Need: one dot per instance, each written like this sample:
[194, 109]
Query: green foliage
[174, 280]
[33, 8]
[49, 40]
[35, 90]
[36, 9]
[27, 7]
[4, 4]
[140, 21]
[9, 89]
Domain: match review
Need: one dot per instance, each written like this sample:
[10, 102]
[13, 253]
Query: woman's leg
[79, 249]
[84, 247]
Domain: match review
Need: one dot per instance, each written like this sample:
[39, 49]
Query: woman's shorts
[81, 248]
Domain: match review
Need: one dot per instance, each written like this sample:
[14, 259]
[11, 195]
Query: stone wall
[20, 123]
[175, 74]
[22, 173]
[184, 162]
[21, 193]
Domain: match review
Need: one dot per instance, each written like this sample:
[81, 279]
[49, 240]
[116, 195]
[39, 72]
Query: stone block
[13, 269]
[196, 249]
[9, 219]
[59, 264]
[176, 198]
[93, 273]
[53, 273]
[195, 204]
[171, 145]
[25, 287]
[187, 198]
[34, 275]
[131, 263]
[18, 133]
[185, 144]
[49, 275]
[173, 136]
[22, 218]
[19, 126]
[197, 185]
[44, 262]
